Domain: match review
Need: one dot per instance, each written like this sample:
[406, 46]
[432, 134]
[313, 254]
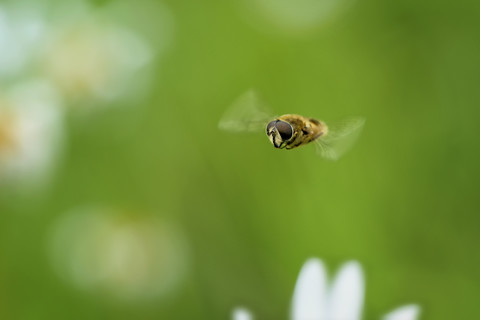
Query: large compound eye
[285, 129]
[271, 125]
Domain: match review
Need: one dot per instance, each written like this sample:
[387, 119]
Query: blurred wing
[246, 114]
[340, 138]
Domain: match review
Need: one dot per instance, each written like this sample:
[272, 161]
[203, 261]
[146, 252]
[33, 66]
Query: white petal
[241, 314]
[408, 312]
[35, 130]
[346, 297]
[309, 297]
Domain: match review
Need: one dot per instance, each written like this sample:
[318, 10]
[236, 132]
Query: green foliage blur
[403, 202]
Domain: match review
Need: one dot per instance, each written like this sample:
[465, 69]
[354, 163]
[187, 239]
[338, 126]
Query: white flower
[127, 256]
[30, 131]
[92, 54]
[294, 17]
[408, 312]
[21, 35]
[242, 314]
[95, 60]
[315, 299]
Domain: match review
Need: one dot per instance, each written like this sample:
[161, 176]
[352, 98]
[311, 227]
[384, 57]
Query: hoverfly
[289, 131]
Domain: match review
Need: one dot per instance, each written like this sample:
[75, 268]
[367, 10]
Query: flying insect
[289, 131]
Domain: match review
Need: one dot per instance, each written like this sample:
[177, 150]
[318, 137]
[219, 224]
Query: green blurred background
[403, 202]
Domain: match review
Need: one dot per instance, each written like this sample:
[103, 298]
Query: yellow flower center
[7, 138]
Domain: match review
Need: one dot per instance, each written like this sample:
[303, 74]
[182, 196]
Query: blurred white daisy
[409, 312]
[241, 314]
[292, 17]
[22, 33]
[91, 56]
[90, 53]
[315, 299]
[126, 256]
[31, 127]
[95, 60]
